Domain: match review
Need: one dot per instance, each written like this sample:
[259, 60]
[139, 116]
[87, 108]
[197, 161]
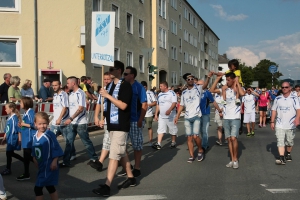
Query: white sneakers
[3, 196]
[234, 165]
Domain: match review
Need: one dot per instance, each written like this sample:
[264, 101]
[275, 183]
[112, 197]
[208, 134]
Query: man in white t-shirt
[232, 118]
[166, 106]
[190, 99]
[248, 101]
[77, 121]
[60, 114]
[151, 101]
[286, 110]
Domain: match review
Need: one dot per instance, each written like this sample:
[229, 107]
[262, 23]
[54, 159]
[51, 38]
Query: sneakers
[280, 161]
[223, 102]
[136, 172]
[173, 145]
[191, 160]
[219, 143]
[3, 196]
[249, 134]
[238, 102]
[130, 182]
[200, 156]
[156, 146]
[288, 157]
[6, 172]
[259, 125]
[97, 165]
[230, 164]
[104, 191]
[235, 165]
[23, 177]
[264, 125]
[123, 171]
[73, 158]
[252, 133]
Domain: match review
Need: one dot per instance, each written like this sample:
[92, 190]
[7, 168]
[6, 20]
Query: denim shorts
[231, 127]
[192, 126]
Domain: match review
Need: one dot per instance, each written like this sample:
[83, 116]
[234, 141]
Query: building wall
[124, 41]
[59, 25]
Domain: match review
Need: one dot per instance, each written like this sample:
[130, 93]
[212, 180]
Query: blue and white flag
[103, 37]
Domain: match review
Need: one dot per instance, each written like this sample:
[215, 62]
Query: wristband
[71, 118]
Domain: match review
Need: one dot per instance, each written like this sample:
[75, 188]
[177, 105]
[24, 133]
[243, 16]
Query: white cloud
[284, 51]
[221, 12]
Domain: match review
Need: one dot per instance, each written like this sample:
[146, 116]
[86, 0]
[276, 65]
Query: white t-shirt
[286, 109]
[77, 99]
[60, 101]
[190, 99]
[219, 99]
[165, 100]
[249, 103]
[150, 99]
[231, 110]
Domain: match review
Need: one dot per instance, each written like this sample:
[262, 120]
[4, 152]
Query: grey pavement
[167, 175]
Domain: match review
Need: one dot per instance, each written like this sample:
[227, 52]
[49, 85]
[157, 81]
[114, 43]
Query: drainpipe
[36, 48]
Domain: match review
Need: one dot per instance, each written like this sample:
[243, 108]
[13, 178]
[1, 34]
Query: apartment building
[132, 34]
[41, 39]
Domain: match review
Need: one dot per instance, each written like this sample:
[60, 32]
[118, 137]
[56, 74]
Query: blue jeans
[204, 130]
[64, 130]
[81, 130]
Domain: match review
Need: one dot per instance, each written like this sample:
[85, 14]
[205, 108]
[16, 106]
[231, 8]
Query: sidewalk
[61, 139]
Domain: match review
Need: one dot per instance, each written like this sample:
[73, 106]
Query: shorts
[148, 122]
[106, 139]
[118, 144]
[218, 120]
[285, 137]
[262, 108]
[136, 136]
[249, 117]
[192, 126]
[163, 124]
[231, 127]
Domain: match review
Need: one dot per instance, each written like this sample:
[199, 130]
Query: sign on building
[103, 37]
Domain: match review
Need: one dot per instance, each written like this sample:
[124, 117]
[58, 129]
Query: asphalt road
[167, 175]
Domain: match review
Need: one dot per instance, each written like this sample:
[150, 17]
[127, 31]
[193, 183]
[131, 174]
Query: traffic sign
[272, 69]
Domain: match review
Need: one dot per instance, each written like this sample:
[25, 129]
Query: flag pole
[102, 99]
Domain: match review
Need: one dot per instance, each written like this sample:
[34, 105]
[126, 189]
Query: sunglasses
[113, 69]
[285, 87]
[126, 74]
[190, 79]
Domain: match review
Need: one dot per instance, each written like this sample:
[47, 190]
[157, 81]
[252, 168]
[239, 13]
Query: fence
[48, 108]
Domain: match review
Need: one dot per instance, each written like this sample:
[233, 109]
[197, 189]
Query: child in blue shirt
[27, 130]
[11, 136]
[45, 153]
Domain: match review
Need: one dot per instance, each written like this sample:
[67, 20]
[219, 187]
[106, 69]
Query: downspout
[36, 48]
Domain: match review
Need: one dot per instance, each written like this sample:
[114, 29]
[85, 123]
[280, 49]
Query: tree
[247, 74]
[263, 76]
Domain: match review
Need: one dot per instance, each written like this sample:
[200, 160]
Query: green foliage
[247, 74]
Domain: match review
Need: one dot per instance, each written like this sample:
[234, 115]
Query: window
[117, 54]
[174, 78]
[10, 5]
[173, 28]
[162, 37]
[162, 8]
[191, 39]
[116, 10]
[180, 45]
[185, 13]
[186, 37]
[129, 58]
[10, 51]
[186, 57]
[195, 61]
[180, 69]
[141, 28]
[129, 23]
[202, 46]
[195, 41]
[96, 5]
[180, 22]
[141, 63]
[202, 29]
[179, 3]
[196, 23]
[174, 4]
[174, 53]
[141, 1]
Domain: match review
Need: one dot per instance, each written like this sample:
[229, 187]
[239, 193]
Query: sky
[252, 30]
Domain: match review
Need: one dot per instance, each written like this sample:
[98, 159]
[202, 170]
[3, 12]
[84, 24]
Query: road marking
[283, 190]
[264, 185]
[138, 197]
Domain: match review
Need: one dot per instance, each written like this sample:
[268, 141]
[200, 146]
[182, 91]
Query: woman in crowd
[14, 93]
[27, 91]
[263, 105]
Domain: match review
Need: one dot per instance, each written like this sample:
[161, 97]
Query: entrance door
[52, 74]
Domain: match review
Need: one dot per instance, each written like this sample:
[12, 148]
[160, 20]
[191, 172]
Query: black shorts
[263, 108]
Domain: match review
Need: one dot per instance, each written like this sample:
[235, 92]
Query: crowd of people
[124, 107]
